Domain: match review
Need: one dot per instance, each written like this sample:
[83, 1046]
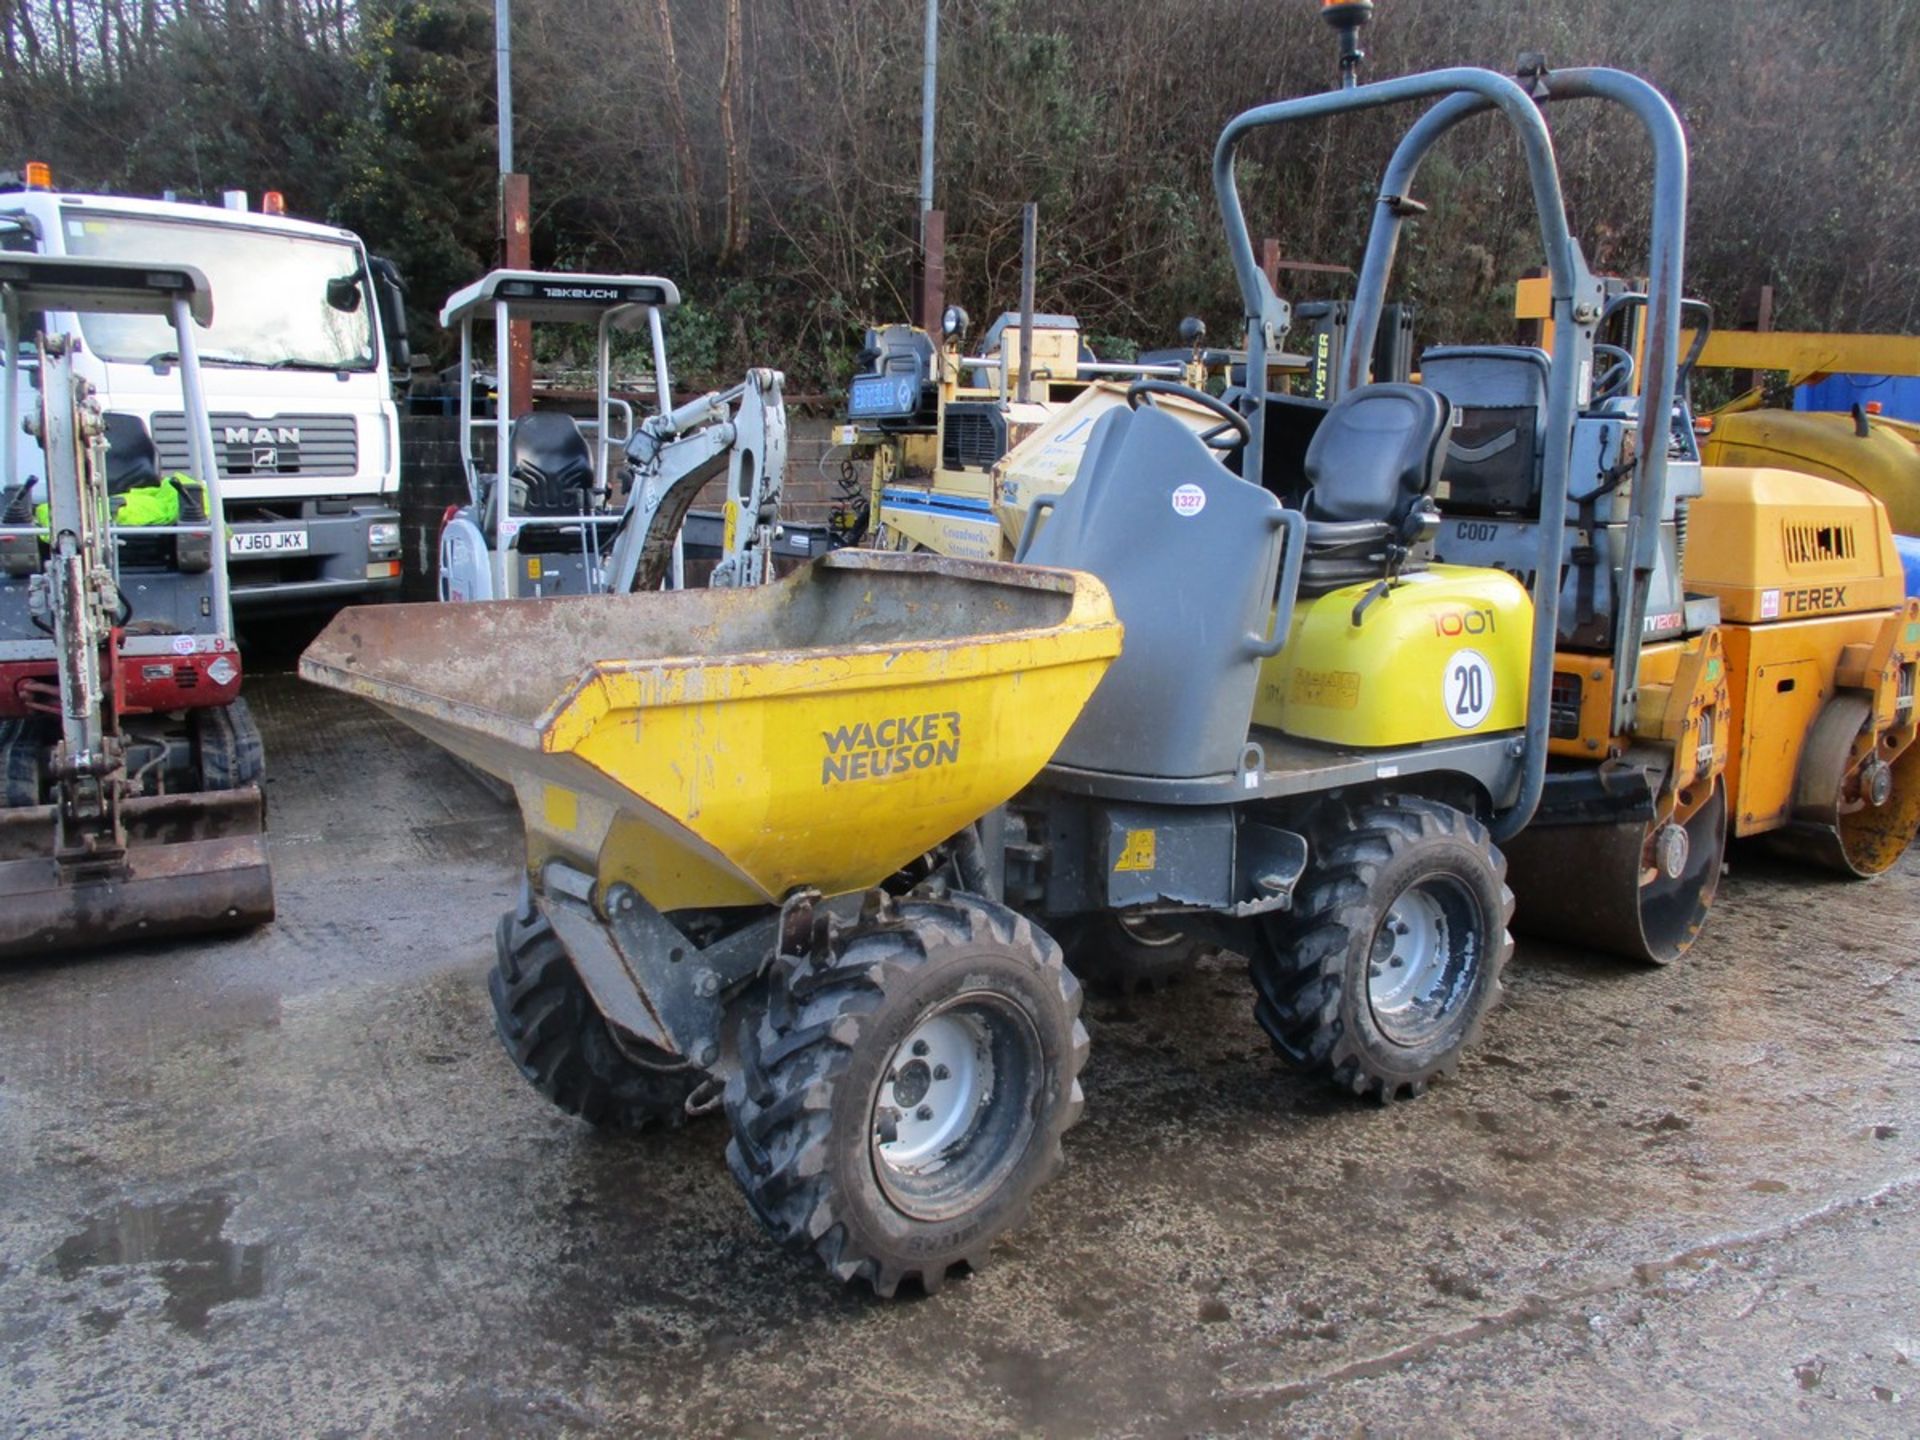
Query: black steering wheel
[1234, 429]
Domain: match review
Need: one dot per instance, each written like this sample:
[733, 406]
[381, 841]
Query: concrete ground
[288, 1184]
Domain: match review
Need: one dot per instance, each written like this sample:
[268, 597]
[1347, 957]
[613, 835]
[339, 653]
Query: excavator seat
[551, 465]
[550, 474]
[132, 461]
[1370, 469]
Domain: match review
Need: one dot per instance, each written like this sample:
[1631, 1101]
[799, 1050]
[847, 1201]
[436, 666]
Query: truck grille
[246, 446]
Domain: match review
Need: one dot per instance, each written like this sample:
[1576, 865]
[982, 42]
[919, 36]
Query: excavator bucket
[193, 863]
[720, 747]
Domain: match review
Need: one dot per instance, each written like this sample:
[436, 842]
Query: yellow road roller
[1821, 645]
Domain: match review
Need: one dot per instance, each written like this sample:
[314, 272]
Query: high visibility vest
[143, 505]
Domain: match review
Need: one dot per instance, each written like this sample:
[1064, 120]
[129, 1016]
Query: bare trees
[766, 149]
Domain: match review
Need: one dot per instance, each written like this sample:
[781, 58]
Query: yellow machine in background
[931, 428]
[1821, 645]
[1879, 455]
[1793, 538]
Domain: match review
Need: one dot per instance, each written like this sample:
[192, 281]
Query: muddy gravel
[288, 1184]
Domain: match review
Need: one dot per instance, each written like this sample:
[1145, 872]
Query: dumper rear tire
[1385, 970]
[900, 1100]
[1122, 955]
[557, 1037]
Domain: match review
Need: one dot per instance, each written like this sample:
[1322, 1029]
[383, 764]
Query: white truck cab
[296, 372]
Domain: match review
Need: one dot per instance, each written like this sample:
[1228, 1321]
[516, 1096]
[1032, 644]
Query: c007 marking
[1475, 530]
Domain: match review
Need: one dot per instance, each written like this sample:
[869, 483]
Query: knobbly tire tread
[1111, 962]
[793, 1055]
[1300, 969]
[232, 754]
[558, 1039]
[20, 746]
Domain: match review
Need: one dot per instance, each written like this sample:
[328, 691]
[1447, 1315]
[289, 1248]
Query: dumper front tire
[902, 1097]
[557, 1037]
[1385, 970]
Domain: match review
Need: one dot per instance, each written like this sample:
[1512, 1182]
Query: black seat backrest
[132, 461]
[1499, 393]
[1188, 550]
[1290, 423]
[551, 465]
[1377, 452]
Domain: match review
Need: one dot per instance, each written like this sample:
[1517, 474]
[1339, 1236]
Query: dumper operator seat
[1189, 552]
[1370, 469]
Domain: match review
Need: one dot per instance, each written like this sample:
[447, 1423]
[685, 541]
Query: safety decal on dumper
[1138, 854]
[873, 750]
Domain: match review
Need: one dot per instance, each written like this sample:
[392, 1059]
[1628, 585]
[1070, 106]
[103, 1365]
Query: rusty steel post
[517, 254]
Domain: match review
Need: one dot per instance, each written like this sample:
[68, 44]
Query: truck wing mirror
[390, 293]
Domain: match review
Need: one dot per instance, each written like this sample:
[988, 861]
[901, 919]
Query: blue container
[1899, 395]
[1909, 548]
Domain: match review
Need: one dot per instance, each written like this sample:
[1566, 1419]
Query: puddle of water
[181, 1243]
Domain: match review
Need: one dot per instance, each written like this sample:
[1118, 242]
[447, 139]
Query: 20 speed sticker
[1189, 500]
[1467, 687]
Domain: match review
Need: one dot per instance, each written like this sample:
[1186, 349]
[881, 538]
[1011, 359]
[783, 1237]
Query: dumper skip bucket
[719, 747]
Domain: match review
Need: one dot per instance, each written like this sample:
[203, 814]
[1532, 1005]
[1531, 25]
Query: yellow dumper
[791, 849]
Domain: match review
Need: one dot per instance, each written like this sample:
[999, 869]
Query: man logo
[262, 434]
[266, 458]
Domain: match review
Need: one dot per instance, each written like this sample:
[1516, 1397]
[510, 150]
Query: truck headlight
[383, 534]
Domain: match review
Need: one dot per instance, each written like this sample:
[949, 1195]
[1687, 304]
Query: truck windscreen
[279, 301]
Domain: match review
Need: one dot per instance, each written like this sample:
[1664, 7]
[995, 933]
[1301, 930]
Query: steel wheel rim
[1425, 953]
[1148, 931]
[954, 1106]
[1673, 907]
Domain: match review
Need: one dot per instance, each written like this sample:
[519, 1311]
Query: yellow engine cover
[1441, 656]
[1782, 545]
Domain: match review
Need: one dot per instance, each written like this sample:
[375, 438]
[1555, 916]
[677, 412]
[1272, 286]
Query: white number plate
[266, 542]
